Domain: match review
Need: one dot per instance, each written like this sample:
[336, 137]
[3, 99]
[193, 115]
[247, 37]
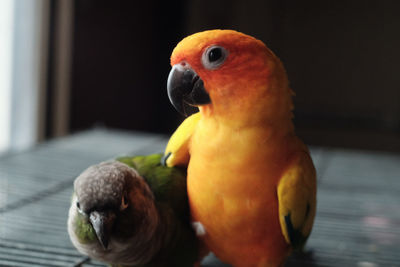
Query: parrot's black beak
[102, 222]
[186, 89]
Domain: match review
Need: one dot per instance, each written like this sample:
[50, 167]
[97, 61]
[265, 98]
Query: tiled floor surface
[357, 223]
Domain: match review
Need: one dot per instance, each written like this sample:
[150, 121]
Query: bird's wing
[177, 150]
[297, 200]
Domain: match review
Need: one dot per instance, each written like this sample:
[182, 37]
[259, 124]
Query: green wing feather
[168, 185]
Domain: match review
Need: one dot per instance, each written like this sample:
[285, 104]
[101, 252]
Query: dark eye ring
[214, 56]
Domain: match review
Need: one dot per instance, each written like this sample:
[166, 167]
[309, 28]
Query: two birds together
[234, 178]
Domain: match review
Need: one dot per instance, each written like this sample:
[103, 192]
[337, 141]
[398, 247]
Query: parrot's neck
[266, 105]
[278, 125]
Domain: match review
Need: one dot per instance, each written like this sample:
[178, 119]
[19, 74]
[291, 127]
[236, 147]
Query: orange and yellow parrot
[251, 181]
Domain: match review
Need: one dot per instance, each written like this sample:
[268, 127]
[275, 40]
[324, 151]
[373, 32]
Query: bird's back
[168, 185]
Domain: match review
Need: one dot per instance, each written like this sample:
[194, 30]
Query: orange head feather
[250, 85]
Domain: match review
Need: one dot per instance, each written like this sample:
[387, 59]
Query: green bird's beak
[102, 222]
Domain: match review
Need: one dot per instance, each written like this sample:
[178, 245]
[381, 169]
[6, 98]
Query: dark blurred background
[108, 63]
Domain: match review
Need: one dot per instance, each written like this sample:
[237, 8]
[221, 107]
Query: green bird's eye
[124, 203]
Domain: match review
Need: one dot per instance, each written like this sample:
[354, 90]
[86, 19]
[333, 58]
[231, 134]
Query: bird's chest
[232, 182]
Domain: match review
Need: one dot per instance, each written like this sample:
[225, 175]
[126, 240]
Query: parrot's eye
[215, 54]
[78, 205]
[213, 57]
[124, 203]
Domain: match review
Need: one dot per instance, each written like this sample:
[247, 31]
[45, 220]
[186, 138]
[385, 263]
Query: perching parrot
[251, 180]
[118, 217]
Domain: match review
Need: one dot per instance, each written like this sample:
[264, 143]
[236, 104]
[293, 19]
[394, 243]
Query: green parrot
[133, 212]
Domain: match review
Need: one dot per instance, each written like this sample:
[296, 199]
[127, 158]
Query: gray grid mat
[357, 223]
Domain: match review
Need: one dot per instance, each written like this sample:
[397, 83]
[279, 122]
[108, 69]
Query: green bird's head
[113, 215]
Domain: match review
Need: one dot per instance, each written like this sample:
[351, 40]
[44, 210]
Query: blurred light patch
[378, 222]
[384, 233]
[26, 73]
[6, 36]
